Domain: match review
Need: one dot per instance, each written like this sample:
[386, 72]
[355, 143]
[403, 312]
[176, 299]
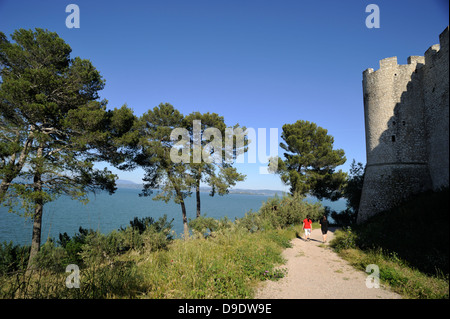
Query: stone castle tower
[406, 110]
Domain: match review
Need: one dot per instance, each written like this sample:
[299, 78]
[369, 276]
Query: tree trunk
[185, 223]
[4, 188]
[36, 237]
[38, 210]
[15, 167]
[197, 190]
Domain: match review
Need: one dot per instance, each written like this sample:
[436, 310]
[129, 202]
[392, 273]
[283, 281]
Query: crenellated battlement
[391, 63]
[388, 62]
[416, 59]
[443, 37]
[432, 51]
[406, 110]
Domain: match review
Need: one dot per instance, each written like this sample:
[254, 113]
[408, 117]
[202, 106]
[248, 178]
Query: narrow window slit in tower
[393, 138]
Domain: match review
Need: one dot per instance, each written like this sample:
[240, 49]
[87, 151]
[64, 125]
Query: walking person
[324, 227]
[307, 225]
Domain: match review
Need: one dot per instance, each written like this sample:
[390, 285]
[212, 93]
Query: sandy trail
[317, 272]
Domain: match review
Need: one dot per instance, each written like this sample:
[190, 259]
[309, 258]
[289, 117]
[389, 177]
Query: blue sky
[261, 63]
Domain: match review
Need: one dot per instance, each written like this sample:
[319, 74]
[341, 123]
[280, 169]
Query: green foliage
[344, 239]
[51, 258]
[223, 266]
[289, 210]
[310, 161]
[401, 231]
[344, 218]
[220, 176]
[253, 222]
[398, 275]
[153, 154]
[73, 246]
[158, 149]
[52, 126]
[418, 231]
[114, 279]
[352, 193]
[145, 223]
[410, 244]
[353, 188]
[139, 261]
[203, 225]
[13, 257]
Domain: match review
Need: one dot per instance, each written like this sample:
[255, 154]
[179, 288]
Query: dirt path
[315, 271]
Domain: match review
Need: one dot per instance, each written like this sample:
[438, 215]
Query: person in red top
[307, 225]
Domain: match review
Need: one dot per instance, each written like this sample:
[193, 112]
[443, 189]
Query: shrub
[289, 210]
[73, 246]
[51, 258]
[253, 222]
[154, 240]
[203, 225]
[161, 225]
[343, 239]
[13, 257]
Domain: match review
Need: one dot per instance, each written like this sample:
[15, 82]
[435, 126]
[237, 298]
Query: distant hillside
[265, 192]
[123, 183]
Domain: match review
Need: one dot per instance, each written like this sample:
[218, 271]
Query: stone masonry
[406, 110]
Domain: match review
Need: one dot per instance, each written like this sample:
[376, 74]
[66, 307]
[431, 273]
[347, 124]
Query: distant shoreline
[262, 192]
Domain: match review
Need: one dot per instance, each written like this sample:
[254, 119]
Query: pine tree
[310, 161]
[153, 155]
[219, 175]
[52, 126]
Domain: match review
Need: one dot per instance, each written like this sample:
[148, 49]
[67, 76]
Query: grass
[232, 259]
[402, 279]
[223, 259]
[228, 264]
[409, 244]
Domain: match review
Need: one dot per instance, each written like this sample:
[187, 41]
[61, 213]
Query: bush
[154, 240]
[203, 226]
[13, 257]
[289, 210]
[73, 246]
[344, 239]
[346, 217]
[51, 258]
[142, 224]
[253, 222]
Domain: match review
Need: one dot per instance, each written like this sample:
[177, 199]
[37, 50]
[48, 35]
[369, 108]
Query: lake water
[110, 212]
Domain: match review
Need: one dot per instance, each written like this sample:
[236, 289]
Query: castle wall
[436, 101]
[386, 186]
[406, 120]
[394, 114]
